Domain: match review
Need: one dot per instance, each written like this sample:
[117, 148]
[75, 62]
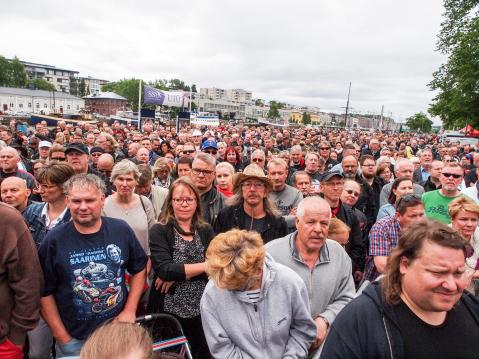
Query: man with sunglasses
[436, 202]
[210, 147]
[384, 234]
[188, 150]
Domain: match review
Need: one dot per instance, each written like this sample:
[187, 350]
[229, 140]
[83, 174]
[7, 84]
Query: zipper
[388, 338]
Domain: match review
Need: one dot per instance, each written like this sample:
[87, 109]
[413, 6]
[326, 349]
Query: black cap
[330, 174]
[79, 147]
[96, 149]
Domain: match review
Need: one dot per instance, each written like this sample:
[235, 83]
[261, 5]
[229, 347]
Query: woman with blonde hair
[224, 177]
[162, 173]
[118, 340]
[252, 306]
[464, 214]
[178, 244]
[134, 209]
[339, 231]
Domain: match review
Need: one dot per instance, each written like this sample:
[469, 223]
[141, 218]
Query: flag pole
[139, 106]
[191, 97]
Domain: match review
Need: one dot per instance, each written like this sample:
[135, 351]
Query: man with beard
[302, 182]
[284, 196]
[371, 186]
[436, 202]
[350, 167]
[322, 263]
[251, 208]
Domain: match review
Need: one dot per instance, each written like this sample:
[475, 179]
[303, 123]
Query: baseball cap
[45, 144]
[79, 147]
[96, 149]
[209, 144]
[330, 174]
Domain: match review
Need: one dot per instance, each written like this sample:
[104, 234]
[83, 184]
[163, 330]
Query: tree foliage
[419, 122]
[12, 73]
[127, 88]
[82, 88]
[306, 119]
[457, 81]
[41, 84]
[274, 108]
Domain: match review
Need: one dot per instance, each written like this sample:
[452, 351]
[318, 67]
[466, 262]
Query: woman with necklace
[178, 244]
[124, 204]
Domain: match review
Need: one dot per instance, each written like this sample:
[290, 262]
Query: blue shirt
[86, 272]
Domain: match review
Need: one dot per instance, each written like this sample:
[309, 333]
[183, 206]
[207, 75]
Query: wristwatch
[325, 320]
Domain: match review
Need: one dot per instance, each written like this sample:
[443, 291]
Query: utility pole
[347, 107]
[382, 118]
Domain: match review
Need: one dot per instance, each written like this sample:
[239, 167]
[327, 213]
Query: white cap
[45, 144]
[197, 133]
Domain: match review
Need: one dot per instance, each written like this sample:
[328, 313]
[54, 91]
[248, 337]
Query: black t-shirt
[86, 272]
[457, 337]
[257, 224]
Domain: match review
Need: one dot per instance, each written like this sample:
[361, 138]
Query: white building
[92, 85]
[212, 93]
[239, 95]
[38, 101]
[58, 77]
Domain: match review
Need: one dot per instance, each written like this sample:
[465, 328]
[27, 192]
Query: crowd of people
[262, 242]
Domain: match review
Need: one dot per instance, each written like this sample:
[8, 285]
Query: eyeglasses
[251, 184]
[96, 154]
[211, 152]
[179, 201]
[198, 171]
[351, 192]
[188, 151]
[324, 148]
[453, 175]
[257, 160]
[46, 186]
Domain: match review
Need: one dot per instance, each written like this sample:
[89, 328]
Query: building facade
[58, 77]
[105, 103]
[18, 100]
[92, 85]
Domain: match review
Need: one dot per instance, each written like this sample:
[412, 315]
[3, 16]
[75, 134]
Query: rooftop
[35, 93]
[106, 96]
[33, 64]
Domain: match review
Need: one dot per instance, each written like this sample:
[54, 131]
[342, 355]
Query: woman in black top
[178, 245]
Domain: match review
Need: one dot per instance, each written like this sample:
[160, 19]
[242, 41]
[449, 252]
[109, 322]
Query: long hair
[409, 246]
[392, 196]
[268, 205]
[167, 212]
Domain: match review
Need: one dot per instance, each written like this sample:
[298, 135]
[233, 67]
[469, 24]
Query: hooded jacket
[278, 326]
[368, 328]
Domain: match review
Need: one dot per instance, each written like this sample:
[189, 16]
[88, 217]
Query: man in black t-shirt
[421, 308]
[84, 263]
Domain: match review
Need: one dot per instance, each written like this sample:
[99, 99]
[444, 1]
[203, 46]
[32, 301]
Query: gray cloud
[301, 52]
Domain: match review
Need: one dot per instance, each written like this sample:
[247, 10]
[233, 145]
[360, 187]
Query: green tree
[306, 119]
[274, 108]
[127, 88]
[74, 86]
[41, 84]
[258, 102]
[419, 122]
[456, 81]
[18, 73]
[82, 88]
[12, 73]
[193, 88]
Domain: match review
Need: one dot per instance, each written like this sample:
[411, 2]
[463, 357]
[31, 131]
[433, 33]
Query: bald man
[322, 263]
[143, 155]
[9, 159]
[14, 191]
[105, 166]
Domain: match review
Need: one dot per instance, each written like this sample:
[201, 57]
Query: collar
[323, 252]
[46, 219]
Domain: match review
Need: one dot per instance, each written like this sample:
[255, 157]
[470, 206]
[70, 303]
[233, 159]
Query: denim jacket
[36, 224]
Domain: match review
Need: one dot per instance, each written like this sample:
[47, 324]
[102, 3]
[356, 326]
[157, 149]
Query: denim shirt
[36, 223]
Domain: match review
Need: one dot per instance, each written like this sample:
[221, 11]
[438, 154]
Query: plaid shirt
[383, 238]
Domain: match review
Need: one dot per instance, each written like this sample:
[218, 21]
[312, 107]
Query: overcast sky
[300, 52]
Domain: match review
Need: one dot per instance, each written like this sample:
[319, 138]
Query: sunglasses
[189, 151]
[324, 148]
[351, 192]
[58, 159]
[408, 198]
[257, 160]
[453, 175]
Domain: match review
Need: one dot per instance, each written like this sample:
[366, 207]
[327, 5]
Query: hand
[321, 331]
[64, 338]
[162, 285]
[358, 276]
[293, 211]
[126, 316]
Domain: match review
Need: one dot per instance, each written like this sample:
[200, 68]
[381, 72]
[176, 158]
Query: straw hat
[251, 171]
